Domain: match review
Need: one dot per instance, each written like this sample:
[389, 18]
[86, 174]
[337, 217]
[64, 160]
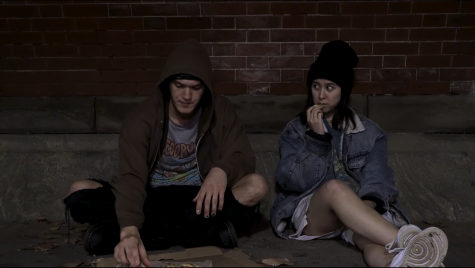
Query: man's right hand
[130, 250]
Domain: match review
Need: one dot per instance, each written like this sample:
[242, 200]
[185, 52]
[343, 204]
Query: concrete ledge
[110, 111]
[47, 115]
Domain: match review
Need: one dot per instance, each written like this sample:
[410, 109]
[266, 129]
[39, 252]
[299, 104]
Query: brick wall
[64, 48]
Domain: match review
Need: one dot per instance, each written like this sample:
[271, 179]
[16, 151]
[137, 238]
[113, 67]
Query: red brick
[46, 2]
[258, 36]
[5, 51]
[224, 50]
[155, 37]
[459, 48]
[257, 62]
[230, 88]
[257, 49]
[224, 75]
[428, 61]
[54, 38]
[395, 48]
[14, 2]
[258, 22]
[19, 11]
[30, 90]
[362, 35]
[293, 8]
[312, 48]
[427, 75]
[48, 11]
[457, 74]
[56, 51]
[258, 75]
[398, 21]
[24, 64]
[364, 8]
[15, 77]
[328, 8]
[362, 22]
[184, 35]
[393, 75]
[397, 35]
[68, 76]
[327, 35]
[145, 89]
[223, 36]
[293, 62]
[21, 38]
[123, 76]
[291, 75]
[370, 62]
[87, 24]
[152, 76]
[120, 23]
[362, 48]
[467, 7]
[258, 8]
[293, 21]
[85, 63]
[104, 89]
[328, 22]
[291, 49]
[224, 23]
[149, 63]
[123, 50]
[367, 88]
[90, 51]
[394, 61]
[427, 88]
[430, 48]
[57, 64]
[4, 26]
[93, 10]
[463, 61]
[122, 64]
[189, 23]
[223, 9]
[22, 51]
[158, 9]
[119, 10]
[362, 75]
[288, 89]
[435, 6]
[53, 24]
[187, 9]
[394, 88]
[466, 34]
[100, 37]
[292, 35]
[159, 49]
[154, 23]
[400, 7]
[19, 25]
[462, 88]
[460, 20]
[228, 62]
[258, 89]
[434, 20]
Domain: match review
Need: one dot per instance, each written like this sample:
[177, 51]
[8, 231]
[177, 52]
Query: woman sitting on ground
[335, 178]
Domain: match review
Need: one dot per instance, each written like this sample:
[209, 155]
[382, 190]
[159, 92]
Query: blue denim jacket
[305, 160]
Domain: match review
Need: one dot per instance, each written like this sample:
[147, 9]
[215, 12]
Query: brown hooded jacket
[221, 140]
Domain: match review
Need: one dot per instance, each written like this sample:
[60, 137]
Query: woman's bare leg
[375, 255]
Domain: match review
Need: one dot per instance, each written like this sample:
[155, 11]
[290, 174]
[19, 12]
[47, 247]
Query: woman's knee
[334, 188]
[82, 185]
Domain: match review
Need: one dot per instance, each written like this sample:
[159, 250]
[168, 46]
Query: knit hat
[335, 63]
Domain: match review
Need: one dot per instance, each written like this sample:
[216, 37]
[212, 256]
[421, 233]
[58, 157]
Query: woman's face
[327, 94]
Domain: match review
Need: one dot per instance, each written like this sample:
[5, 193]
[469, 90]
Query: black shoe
[226, 236]
[101, 239]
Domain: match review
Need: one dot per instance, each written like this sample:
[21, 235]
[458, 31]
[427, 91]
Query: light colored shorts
[299, 220]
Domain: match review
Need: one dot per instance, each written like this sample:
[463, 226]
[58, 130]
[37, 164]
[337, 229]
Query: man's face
[186, 95]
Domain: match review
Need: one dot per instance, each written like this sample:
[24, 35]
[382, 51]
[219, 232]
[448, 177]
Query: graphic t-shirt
[177, 165]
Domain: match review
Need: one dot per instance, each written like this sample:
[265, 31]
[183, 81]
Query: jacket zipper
[196, 155]
[158, 149]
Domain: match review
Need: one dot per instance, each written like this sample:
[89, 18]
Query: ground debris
[74, 264]
[299, 254]
[80, 229]
[277, 262]
[49, 236]
[54, 228]
[41, 219]
[437, 224]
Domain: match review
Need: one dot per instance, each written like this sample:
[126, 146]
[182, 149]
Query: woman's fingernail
[213, 214]
[198, 212]
[206, 216]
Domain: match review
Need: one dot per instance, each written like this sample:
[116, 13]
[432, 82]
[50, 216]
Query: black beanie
[335, 63]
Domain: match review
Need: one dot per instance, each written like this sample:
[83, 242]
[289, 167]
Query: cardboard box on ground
[232, 258]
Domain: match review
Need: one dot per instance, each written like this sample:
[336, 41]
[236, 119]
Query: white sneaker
[417, 248]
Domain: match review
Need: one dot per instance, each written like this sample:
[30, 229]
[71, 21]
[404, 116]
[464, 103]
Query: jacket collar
[352, 129]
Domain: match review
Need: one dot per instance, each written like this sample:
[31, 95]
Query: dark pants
[170, 213]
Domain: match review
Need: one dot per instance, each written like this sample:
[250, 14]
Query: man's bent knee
[82, 185]
[251, 189]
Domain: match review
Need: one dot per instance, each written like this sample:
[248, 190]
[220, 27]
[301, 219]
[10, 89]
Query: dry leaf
[96, 261]
[277, 262]
[54, 229]
[49, 237]
[40, 219]
[46, 246]
[81, 229]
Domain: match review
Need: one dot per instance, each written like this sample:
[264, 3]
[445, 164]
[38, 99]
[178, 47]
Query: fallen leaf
[96, 261]
[297, 255]
[46, 246]
[54, 229]
[49, 237]
[277, 262]
[40, 219]
[80, 229]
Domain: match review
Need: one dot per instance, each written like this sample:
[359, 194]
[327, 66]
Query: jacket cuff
[128, 221]
[325, 137]
[225, 166]
[380, 204]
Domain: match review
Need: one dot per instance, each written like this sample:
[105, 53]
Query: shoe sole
[427, 249]
[90, 231]
[232, 232]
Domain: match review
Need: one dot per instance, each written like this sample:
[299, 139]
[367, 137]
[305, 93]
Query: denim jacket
[305, 159]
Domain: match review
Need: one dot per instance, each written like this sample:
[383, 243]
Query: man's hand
[212, 190]
[130, 249]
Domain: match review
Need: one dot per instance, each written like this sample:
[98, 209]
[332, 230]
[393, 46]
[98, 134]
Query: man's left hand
[211, 192]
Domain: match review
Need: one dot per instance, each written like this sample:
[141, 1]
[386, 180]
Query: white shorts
[299, 220]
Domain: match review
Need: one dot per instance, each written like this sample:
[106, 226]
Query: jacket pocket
[357, 160]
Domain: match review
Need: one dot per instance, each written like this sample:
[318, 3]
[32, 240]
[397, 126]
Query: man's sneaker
[226, 236]
[417, 248]
[101, 239]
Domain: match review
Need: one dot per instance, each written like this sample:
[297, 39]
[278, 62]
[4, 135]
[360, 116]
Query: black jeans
[170, 213]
